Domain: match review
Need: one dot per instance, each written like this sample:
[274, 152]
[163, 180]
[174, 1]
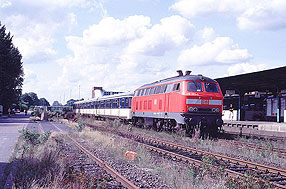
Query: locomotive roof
[179, 78]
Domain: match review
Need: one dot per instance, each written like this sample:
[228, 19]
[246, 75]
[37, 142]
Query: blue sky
[123, 44]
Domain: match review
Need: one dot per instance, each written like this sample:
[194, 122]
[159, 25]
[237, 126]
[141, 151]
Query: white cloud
[205, 35]
[190, 8]
[32, 38]
[58, 3]
[4, 4]
[222, 50]
[111, 31]
[72, 19]
[30, 76]
[253, 15]
[122, 54]
[245, 68]
[266, 15]
[171, 33]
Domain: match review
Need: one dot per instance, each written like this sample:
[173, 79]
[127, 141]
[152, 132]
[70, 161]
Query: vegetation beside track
[267, 156]
[40, 165]
[206, 176]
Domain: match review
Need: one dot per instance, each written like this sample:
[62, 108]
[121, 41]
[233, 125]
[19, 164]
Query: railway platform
[252, 128]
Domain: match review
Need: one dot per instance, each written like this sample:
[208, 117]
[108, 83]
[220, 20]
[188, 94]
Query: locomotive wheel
[172, 124]
[188, 130]
[140, 122]
[159, 125]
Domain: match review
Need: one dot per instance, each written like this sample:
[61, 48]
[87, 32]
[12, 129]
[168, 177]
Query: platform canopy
[267, 80]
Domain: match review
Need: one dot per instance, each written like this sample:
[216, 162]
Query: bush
[35, 138]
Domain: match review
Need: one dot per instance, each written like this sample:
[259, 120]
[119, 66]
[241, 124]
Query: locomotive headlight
[193, 109]
[215, 110]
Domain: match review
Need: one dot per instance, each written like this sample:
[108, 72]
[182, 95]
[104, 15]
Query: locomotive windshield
[211, 87]
[195, 86]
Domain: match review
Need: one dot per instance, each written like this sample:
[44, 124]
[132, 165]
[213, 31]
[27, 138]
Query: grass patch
[37, 160]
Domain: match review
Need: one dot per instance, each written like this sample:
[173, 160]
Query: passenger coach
[113, 106]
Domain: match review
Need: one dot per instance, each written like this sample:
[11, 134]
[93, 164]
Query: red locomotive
[187, 101]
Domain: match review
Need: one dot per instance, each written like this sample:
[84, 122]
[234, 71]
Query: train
[183, 102]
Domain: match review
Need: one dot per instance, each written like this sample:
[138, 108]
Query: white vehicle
[1, 110]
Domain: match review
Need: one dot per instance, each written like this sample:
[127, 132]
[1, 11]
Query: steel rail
[203, 153]
[280, 151]
[195, 162]
[271, 137]
[126, 183]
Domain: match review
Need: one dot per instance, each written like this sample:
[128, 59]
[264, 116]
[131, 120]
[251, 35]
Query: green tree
[44, 102]
[29, 99]
[56, 103]
[11, 70]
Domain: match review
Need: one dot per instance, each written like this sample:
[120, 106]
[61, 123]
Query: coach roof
[179, 78]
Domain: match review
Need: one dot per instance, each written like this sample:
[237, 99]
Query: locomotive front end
[203, 106]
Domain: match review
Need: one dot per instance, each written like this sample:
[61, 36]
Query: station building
[257, 96]
[99, 92]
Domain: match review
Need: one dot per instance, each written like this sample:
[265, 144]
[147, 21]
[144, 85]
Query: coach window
[127, 102]
[176, 87]
[114, 105]
[122, 103]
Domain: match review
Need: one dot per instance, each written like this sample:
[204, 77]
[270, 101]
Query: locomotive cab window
[211, 87]
[176, 87]
[195, 87]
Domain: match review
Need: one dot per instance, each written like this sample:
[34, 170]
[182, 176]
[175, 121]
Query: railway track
[232, 166]
[239, 132]
[85, 166]
[281, 152]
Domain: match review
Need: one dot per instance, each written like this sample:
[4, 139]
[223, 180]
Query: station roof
[267, 80]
